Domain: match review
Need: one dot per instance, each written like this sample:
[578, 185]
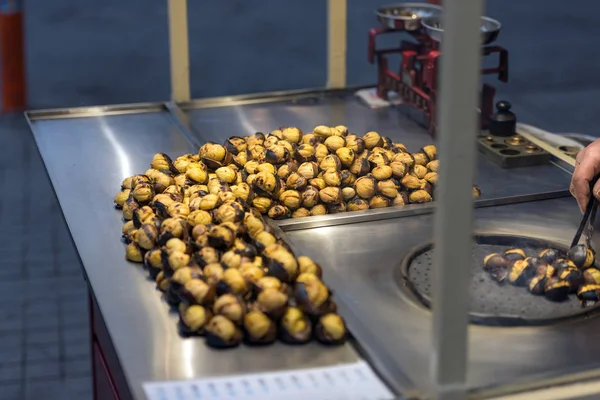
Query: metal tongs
[586, 227]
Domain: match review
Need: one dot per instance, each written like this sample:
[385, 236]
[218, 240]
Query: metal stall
[416, 332]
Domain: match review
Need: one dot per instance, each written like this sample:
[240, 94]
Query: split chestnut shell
[582, 256]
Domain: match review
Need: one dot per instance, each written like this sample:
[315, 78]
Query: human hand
[587, 166]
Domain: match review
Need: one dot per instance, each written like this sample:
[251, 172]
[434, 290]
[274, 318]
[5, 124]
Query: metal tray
[217, 119]
[406, 16]
[492, 303]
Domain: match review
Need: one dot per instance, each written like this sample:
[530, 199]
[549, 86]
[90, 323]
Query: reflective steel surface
[86, 159]
[392, 328]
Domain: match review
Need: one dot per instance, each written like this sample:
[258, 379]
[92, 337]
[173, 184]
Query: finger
[582, 176]
[597, 190]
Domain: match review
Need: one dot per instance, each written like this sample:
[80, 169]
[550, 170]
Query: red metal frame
[416, 79]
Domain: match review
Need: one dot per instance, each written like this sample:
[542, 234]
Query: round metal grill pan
[493, 303]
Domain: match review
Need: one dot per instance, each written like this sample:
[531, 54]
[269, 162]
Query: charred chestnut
[313, 297]
[582, 256]
[280, 263]
[232, 281]
[592, 276]
[563, 263]
[295, 327]
[221, 236]
[537, 284]
[588, 295]
[549, 255]
[133, 252]
[331, 195]
[494, 261]
[573, 276]
[556, 289]
[207, 255]
[197, 291]
[266, 184]
[222, 333]
[520, 273]
[279, 212]
[153, 260]
[331, 329]
[296, 181]
[230, 211]
[514, 254]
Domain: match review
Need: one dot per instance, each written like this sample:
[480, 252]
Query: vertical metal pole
[179, 50]
[337, 15]
[458, 124]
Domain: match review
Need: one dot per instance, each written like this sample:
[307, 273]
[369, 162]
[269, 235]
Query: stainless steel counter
[87, 155]
[362, 258]
[87, 152]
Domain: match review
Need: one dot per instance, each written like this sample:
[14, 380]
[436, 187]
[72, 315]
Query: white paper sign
[355, 381]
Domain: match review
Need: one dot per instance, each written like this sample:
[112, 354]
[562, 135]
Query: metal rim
[475, 318]
[379, 12]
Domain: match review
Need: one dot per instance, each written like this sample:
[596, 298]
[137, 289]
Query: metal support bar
[458, 124]
[337, 15]
[179, 50]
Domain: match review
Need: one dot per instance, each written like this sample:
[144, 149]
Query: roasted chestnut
[332, 177]
[206, 255]
[259, 328]
[592, 276]
[262, 204]
[230, 211]
[494, 261]
[232, 281]
[420, 196]
[588, 295]
[411, 182]
[358, 204]
[420, 159]
[574, 276]
[308, 170]
[221, 236]
[537, 284]
[334, 143]
[193, 319]
[360, 166]
[331, 195]
[382, 172]
[222, 333]
[520, 273]
[313, 297]
[355, 143]
[300, 213]
[549, 255]
[545, 269]
[133, 252]
[556, 289]
[197, 291]
[514, 254]
[213, 273]
[281, 263]
[582, 256]
[372, 139]
[379, 201]
[346, 156]
[230, 306]
[307, 265]
[295, 327]
[331, 329]
[271, 302]
[153, 260]
[337, 208]
[266, 184]
[563, 263]
[263, 240]
[365, 187]
[279, 212]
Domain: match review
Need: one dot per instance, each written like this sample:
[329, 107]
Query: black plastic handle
[590, 212]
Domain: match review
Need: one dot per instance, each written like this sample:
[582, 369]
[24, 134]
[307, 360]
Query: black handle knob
[504, 121]
[503, 106]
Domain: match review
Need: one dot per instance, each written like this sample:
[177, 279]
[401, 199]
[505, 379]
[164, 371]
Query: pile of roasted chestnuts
[215, 258]
[289, 173]
[550, 273]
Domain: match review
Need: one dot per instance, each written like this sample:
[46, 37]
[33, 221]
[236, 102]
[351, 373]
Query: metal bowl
[407, 16]
[490, 29]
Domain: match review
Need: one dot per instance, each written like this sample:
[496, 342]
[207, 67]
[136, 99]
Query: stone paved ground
[87, 53]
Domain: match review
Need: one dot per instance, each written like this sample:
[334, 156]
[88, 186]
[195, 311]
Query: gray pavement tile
[45, 371]
[42, 336]
[77, 349]
[42, 352]
[11, 319]
[78, 388]
[10, 372]
[13, 391]
[81, 367]
[46, 389]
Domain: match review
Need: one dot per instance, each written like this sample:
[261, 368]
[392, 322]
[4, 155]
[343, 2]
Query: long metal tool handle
[458, 126]
[589, 215]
